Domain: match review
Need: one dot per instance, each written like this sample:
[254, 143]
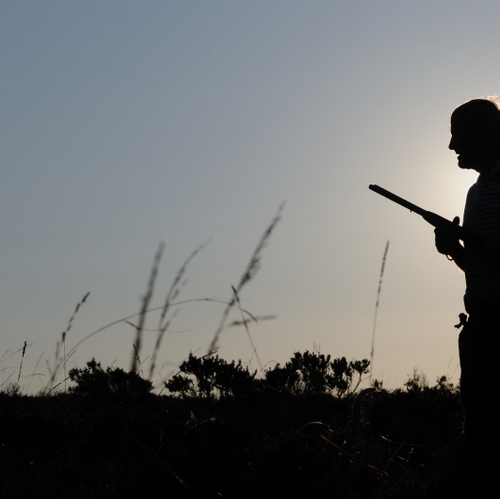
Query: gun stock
[428, 216]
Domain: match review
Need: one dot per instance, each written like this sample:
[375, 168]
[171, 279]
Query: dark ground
[258, 446]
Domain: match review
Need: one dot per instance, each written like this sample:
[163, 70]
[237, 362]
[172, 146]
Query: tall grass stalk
[172, 294]
[249, 273]
[34, 372]
[22, 360]
[155, 309]
[145, 305]
[60, 359]
[7, 355]
[166, 319]
[244, 321]
[372, 352]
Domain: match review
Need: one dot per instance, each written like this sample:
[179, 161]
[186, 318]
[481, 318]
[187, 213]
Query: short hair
[479, 113]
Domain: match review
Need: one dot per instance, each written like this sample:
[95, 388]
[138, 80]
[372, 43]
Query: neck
[485, 170]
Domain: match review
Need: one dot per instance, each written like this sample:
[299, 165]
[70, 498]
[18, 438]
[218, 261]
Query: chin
[464, 164]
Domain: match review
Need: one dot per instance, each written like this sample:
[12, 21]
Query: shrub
[94, 380]
[305, 373]
[316, 373]
[211, 376]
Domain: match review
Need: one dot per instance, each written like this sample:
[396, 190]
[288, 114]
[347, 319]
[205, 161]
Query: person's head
[475, 134]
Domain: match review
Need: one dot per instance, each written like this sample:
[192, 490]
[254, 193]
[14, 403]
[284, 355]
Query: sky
[129, 124]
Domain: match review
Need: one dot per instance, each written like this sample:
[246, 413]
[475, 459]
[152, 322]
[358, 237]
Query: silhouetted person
[475, 137]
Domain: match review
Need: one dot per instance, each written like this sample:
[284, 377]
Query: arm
[448, 244]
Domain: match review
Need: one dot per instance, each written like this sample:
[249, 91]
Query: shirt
[482, 217]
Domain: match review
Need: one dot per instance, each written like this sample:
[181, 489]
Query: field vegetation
[217, 429]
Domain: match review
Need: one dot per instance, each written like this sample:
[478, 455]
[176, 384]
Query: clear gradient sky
[127, 123]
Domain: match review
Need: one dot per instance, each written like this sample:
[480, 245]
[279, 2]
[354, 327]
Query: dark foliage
[95, 381]
[310, 372]
[211, 376]
[224, 442]
[305, 373]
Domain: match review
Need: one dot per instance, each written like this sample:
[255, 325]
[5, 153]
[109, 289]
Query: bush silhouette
[315, 373]
[94, 380]
[211, 376]
[305, 373]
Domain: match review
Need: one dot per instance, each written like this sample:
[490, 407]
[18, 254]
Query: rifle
[428, 216]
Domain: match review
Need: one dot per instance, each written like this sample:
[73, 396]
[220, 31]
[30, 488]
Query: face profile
[466, 142]
[475, 135]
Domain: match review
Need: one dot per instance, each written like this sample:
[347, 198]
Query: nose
[452, 145]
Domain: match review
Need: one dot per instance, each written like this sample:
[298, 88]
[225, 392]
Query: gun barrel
[397, 199]
[428, 216]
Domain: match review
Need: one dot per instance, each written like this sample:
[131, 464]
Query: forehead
[462, 123]
[459, 128]
[475, 115]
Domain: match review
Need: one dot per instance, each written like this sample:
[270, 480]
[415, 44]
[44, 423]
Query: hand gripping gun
[428, 216]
